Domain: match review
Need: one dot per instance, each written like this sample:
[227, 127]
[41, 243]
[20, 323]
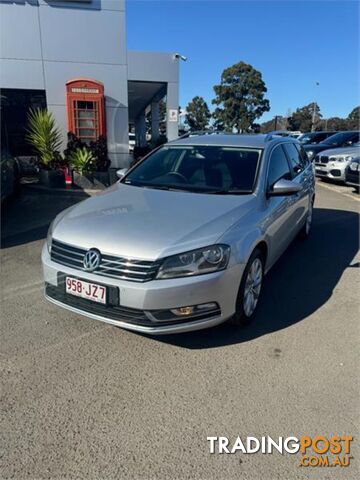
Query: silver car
[333, 163]
[183, 240]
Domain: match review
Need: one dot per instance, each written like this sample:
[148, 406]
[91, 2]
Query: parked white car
[131, 142]
[332, 163]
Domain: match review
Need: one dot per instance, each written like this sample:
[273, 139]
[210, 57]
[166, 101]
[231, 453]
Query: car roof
[232, 140]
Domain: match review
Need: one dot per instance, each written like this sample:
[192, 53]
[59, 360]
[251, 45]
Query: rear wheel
[249, 290]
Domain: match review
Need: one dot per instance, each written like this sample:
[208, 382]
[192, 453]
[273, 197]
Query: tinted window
[338, 138]
[198, 168]
[278, 167]
[304, 158]
[294, 157]
[353, 139]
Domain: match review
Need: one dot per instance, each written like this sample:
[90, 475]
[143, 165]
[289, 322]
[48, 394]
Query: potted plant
[82, 162]
[45, 137]
[102, 162]
[99, 174]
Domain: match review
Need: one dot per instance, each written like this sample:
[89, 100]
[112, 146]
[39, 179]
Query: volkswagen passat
[183, 240]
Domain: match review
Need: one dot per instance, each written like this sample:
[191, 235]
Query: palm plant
[45, 137]
[82, 161]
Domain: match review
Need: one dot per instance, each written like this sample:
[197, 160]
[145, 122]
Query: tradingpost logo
[317, 451]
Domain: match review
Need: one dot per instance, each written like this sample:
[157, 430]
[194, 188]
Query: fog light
[183, 311]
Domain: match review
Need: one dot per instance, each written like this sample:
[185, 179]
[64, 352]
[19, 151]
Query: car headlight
[310, 154]
[196, 262]
[349, 158]
[49, 236]
[337, 159]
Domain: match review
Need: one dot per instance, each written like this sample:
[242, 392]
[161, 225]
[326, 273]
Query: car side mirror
[283, 188]
[122, 172]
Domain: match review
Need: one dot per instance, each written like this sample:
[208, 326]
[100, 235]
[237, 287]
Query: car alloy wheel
[249, 290]
[253, 284]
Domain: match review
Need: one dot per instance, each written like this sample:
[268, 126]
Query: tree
[197, 114]
[302, 118]
[277, 123]
[333, 123]
[240, 98]
[354, 118]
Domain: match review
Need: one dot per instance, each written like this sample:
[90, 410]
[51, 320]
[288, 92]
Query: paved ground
[82, 399]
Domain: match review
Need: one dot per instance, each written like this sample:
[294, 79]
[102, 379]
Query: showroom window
[15, 105]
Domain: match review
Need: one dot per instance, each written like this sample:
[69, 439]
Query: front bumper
[331, 171]
[220, 287]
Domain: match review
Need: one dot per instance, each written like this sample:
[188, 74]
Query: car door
[302, 175]
[279, 209]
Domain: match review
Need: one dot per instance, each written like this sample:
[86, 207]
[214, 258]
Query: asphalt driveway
[82, 399]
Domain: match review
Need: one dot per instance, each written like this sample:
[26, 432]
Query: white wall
[45, 43]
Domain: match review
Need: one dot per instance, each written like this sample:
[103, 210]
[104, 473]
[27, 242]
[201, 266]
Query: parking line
[334, 189]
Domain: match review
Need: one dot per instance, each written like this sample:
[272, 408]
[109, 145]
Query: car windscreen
[337, 138]
[203, 169]
[305, 137]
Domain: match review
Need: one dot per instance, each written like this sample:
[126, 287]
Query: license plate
[90, 291]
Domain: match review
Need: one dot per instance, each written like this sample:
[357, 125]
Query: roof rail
[196, 133]
[270, 136]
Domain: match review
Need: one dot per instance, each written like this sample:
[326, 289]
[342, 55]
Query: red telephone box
[86, 108]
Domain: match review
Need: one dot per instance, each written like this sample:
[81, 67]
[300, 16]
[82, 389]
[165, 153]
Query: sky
[294, 44]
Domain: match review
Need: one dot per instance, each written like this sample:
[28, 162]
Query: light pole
[314, 111]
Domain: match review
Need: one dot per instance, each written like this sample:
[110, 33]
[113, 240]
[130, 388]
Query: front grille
[110, 266]
[323, 159]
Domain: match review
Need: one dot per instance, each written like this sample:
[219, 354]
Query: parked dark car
[352, 174]
[312, 138]
[9, 175]
[340, 139]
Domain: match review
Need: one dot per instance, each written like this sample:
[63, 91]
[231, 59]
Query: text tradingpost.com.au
[317, 451]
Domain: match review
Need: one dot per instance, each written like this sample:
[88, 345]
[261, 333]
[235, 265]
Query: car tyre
[250, 290]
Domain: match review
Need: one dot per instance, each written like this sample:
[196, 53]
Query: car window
[198, 168]
[304, 158]
[278, 167]
[336, 139]
[296, 161]
[353, 139]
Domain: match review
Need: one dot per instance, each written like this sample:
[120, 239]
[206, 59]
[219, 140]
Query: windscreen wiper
[232, 191]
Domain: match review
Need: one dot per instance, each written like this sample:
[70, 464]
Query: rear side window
[296, 161]
[278, 167]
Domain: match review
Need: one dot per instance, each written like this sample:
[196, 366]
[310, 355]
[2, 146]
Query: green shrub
[98, 149]
[82, 161]
[45, 137]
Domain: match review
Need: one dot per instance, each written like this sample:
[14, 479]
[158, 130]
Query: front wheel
[249, 290]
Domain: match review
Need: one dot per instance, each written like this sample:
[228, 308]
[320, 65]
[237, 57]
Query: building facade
[71, 57]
